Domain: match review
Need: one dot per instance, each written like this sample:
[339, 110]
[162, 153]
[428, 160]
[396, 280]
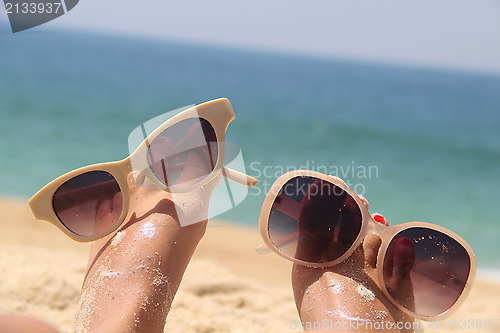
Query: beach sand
[227, 287]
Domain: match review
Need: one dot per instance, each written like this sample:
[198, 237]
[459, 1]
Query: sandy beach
[227, 287]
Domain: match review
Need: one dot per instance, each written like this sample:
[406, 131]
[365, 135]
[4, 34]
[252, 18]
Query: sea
[421, 144]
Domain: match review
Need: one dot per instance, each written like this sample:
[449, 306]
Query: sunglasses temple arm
[239, 177]
[263, 250]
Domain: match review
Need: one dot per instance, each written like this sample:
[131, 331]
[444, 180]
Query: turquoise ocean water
[421, 144]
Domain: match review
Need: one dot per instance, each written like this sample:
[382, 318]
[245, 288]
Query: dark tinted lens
[425, 270]
[185, 153]
[89, 204]
[314, 220]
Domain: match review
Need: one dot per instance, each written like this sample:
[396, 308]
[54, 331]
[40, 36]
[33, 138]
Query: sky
[463, 34]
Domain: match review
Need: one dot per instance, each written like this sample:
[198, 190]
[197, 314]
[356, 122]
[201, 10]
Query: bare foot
[345, 297]
[134, 273]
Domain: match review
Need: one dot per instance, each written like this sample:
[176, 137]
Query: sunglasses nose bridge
[376, 228]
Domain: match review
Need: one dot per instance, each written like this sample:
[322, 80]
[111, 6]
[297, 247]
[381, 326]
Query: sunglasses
[316, 220]
[182, 154]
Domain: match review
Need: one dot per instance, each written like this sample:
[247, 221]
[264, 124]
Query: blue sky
[461, 34]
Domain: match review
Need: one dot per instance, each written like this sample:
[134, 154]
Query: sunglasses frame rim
[368, 225]
[218, 113]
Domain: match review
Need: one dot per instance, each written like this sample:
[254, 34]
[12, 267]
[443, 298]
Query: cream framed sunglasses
[74, 202]
[316, 220]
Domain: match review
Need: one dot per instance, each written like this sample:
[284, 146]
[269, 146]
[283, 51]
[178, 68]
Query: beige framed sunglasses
[91, 202]
[316, 220]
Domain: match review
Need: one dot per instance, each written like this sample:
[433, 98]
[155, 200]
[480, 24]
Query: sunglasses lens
[313, 220]
[89, 204]
[425, 270]
[184, 154]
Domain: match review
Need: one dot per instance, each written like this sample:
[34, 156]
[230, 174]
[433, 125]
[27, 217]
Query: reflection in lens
[184, 154]
[89, 204]
[314, 220]
[425, 270]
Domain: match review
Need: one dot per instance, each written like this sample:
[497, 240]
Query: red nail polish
[378, 218]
